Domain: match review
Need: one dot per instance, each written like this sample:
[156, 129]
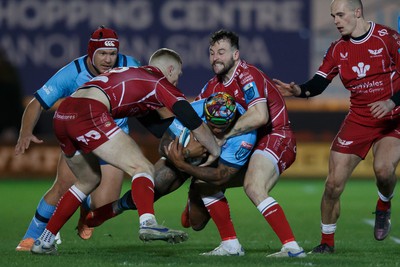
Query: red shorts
[279, 147]
[83, 124]
[357, 139]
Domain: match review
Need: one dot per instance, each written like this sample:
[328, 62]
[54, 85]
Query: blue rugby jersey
[236, 151]
[68, 79]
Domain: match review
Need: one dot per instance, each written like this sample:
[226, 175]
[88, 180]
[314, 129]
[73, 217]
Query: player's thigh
[386, 154]
[123, 152]
[341, 166]
[109, 188]
[261, 176]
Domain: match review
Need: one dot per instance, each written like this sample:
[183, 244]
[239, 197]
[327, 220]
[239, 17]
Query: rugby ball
[184, 139]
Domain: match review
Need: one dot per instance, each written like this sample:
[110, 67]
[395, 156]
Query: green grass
[116, 242]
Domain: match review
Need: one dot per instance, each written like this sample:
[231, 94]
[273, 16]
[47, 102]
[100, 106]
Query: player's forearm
[30, 117]
[206, 174]
[212, 175]
[313, 87]
[252, 119]
[206, 138]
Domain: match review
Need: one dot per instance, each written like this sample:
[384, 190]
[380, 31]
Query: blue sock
[126, 202]
[40, 220]
[86, 203]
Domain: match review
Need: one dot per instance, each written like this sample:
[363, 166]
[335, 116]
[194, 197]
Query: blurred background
[286, 39]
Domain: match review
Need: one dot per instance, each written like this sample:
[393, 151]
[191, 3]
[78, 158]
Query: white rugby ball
[184, 140]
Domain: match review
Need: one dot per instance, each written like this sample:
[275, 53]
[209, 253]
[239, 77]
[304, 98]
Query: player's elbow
[221, 180]
[260, 120]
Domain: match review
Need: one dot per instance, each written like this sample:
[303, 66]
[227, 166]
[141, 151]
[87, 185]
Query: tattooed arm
[255, 117]
[214, 175]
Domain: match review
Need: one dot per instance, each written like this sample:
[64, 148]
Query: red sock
[219, 212]
[276, 218]
[328, 239]
[143, 194]
[100, 215]
[66, 207]
[382, 206]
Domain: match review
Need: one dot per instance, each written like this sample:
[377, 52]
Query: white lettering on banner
[192, 49]
[52, 50]
[244, 15]
[47, 34]
[35, 14]
[191, 15]
[194, 53]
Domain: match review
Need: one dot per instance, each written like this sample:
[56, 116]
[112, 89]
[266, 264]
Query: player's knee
[384, 171]
[61, 186]
[333, 189]
[250, 189]
[140, 167]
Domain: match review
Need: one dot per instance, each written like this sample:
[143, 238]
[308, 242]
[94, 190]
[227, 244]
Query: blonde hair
[164, 54]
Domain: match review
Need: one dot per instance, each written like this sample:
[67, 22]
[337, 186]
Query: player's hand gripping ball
[197, 151]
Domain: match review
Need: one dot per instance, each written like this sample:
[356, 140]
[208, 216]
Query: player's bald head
[169, 62]
[350, 4]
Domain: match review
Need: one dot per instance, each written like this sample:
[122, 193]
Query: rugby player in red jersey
[266, 111]
[367, 59]
[86, 131]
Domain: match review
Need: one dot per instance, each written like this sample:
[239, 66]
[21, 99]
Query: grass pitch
[116, 242]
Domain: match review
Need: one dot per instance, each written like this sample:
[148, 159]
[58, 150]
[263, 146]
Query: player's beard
[227, 67]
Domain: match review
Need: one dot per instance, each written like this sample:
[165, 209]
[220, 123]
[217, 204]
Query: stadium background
[286, 38]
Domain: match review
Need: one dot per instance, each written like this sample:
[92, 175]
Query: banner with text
[41, 36]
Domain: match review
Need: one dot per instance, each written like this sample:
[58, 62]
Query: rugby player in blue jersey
[103, 54]
[220, 112]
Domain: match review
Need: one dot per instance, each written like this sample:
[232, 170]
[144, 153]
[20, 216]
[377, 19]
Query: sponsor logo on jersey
[65, 116]
[361, 69]
[368, 85]
[344, 142]
[47, 89]
[246, 145]
[344, 56]
[383, 32]
[250, 91]
[243, 150]
[375, 52]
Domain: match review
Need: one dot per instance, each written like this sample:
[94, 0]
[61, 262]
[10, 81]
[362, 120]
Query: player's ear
[170, 70]
[358, 13]
[236, 55]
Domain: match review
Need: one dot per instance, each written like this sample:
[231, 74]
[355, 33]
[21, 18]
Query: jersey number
[89, 135]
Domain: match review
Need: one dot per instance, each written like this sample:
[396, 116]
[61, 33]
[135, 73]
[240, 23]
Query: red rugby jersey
[369, 68]
[249, 85]
[133, 91]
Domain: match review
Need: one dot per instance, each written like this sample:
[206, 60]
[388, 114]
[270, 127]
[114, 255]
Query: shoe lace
[150, 222]
[381, 218]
